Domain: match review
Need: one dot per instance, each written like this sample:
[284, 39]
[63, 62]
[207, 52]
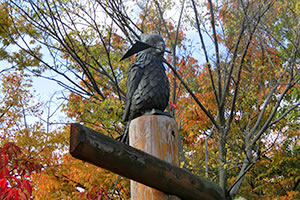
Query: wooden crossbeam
[105, 152]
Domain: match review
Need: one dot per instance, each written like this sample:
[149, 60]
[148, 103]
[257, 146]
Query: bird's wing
[134, 77]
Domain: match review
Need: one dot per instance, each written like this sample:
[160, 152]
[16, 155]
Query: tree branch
[208, 114]
[212, 17]
[205, 52]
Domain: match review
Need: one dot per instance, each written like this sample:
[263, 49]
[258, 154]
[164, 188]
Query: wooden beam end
[76, 137]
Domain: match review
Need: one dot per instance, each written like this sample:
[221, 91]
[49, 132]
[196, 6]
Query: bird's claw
[157, 112]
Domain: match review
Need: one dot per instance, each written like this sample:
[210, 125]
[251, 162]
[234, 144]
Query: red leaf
[23, 195]
[3, 184]
[6, 172]
[27, 186]
[89, 196]
[173, 105]
[5, 159]
[17, 149]
[9, 194]
[2, 173]
[17, 196]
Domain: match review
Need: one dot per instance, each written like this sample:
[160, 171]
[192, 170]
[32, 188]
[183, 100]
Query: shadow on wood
[103, 151]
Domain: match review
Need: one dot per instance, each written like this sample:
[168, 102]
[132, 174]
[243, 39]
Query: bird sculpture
[148, 89]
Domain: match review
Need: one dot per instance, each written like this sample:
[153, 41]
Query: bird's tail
[124, 138]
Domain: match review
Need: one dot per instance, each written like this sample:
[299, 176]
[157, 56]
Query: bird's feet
[157, 112]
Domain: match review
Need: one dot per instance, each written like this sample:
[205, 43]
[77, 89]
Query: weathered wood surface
[156, 135]
[103, 151]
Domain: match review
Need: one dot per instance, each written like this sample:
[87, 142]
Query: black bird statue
[148, 89]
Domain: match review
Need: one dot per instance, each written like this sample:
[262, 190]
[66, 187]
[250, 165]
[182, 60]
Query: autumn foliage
[244, 69]
[15, 173]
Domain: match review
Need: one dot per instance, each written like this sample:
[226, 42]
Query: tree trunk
[222, 162]
[246, 163]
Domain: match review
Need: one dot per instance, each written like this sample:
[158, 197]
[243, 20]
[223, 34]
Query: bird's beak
[137, 47]
[140, 46]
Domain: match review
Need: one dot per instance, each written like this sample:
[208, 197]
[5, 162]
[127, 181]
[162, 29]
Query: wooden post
[156, 135]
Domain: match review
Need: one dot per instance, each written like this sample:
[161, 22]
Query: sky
[49, 93]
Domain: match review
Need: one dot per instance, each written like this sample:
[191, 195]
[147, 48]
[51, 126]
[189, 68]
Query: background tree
[15, 168]
[242, 69]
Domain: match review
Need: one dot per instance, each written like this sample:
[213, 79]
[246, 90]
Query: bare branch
[205, 52]
[233, 104]
[212, 17]
[285, 114]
